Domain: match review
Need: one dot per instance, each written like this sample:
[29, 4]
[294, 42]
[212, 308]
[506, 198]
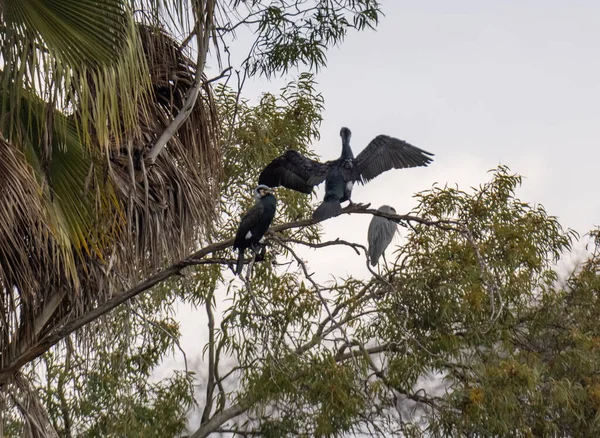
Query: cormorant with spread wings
[294, 171]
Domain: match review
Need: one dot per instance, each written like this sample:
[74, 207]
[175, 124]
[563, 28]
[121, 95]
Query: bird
[380, 235]
[297, 172]
[255, 223]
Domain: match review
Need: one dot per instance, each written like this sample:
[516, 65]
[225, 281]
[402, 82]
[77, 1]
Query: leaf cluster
[299, 36]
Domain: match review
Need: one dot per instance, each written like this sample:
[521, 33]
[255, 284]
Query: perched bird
[380, 235]
[255, 223]
[294, 171]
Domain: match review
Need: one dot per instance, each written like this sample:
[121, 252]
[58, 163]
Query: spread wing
[294, 171]
[385, 153]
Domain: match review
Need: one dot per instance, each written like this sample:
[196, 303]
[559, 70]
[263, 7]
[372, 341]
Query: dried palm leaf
[170, 205]
[32, 263]
[80, 212]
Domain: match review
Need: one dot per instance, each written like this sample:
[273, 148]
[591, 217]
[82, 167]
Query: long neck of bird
[346, 150]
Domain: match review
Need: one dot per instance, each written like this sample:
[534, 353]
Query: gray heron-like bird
[294, 171]
[380, 235]
[255, 223]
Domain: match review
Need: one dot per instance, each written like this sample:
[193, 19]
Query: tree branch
[210, 386]
[218, 419]
[52, 338]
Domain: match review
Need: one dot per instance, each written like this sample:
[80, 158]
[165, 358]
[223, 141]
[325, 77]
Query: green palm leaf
[62, 165]
[80, 56]
[88, 32]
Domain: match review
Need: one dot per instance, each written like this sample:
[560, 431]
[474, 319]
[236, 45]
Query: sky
[476, 83]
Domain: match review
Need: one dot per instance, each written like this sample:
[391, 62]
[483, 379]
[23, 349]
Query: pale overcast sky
[478, 84]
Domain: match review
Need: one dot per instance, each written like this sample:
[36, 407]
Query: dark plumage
[380, 235]
[294, 171]
[255, 223]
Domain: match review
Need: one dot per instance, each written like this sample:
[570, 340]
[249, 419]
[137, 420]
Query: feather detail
[384, 153]
[294, 171]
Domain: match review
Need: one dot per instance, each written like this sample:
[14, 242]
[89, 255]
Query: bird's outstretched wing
[385, 153]
[294, 171]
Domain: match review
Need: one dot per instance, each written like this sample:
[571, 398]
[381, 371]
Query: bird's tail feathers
[330, 207]
[240, 262]
[374, 258]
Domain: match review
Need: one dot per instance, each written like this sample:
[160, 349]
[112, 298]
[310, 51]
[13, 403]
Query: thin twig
[486, 277]
[318, 290]
[379, 373]
[170, 335]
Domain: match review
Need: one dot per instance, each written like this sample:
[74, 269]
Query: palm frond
[80, 211]
[72, 30]
[21, 213]
[62, 164]
[35, 259]
[173, 203]
[75, 55]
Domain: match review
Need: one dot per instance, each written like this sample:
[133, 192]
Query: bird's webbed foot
[358, 205]
[259, 250]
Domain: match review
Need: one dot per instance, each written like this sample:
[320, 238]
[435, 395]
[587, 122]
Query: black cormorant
[294, 171]
[255, 223]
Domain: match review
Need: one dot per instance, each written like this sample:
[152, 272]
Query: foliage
[542, 373]
[340, 358]
[117, 363]
[105, 387]
[289, 37]
[469, 331]
[84, 92]
[117, 397]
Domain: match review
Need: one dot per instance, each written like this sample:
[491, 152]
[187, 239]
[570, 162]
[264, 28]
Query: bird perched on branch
[380, 235]
[294, 171]
[255, 223]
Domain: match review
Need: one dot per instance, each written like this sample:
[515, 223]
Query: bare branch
[52, 338]
[210, 385]
[318, 290]
[218, 419]
[354, 246]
